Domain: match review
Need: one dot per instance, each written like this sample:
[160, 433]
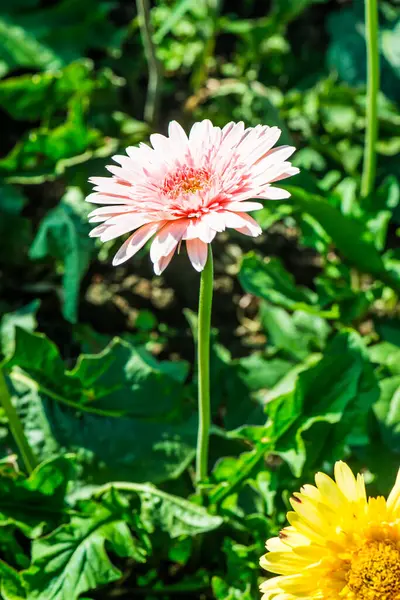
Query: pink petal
[136, 241]
[161, 144]
[198, 228]
[99, 198]
[168, 238]
[289, 172]
[106, 212]
[274, 193]
[98, 231]
[177, 133]
[197, 252]
[122, 173]
[234, 219]
[266, 141]
[243, 206]
[113, 186]
[123, 224]
[250, 228]
[215, 220]
[163, 262]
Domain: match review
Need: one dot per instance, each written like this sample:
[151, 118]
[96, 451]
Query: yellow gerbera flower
[339, 545]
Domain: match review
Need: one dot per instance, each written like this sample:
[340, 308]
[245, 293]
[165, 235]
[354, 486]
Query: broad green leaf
[32, 503]
[11, 584]
[12, 201]
[19, 48]
[224, 591]
[172, 514]
[74, 558]
[15, 230]
[176, 13]
[328, 403]
[386, 354]
[229, 390]
[31, 39]
[285, 11]
[24, 317]
[350, 236]
[44, 153]
[117, 381]
[297, 334]
[269, 279]
[242, 562]
[347, 49]
[63, 234]
[25, 97]
[260, 372]
[145, 445]
[387, 412]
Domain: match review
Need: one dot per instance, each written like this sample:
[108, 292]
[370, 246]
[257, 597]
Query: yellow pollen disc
[186, 180]
[374, 572]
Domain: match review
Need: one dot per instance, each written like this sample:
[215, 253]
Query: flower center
[185, 180]
[375, 572]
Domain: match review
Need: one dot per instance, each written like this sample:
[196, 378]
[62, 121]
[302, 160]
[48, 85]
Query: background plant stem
[371, 135]
[155, 71]
[16, 427]
[203, 354]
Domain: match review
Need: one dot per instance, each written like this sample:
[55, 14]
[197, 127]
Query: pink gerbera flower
[189, 188]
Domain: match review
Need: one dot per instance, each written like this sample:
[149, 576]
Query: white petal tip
[118, 261]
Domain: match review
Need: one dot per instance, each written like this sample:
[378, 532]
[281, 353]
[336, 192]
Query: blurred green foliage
[306, 345]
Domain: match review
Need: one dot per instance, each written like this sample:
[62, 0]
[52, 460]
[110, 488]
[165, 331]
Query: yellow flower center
[185, 180]
[375, 572]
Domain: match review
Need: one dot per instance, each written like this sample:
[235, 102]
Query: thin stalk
[16, 427]
[371, 134]
[154, 66]
[203, 360]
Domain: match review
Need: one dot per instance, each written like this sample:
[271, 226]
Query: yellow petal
[353, 489]
[393, 501]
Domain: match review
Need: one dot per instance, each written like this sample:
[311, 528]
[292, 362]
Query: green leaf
[240, 581]
[224, 591]
[31, 39]
[117, 381]
[386, 354]
[44, 153]
[25, 97]
[285, 11]
[259, 372]
[269, 279]
[54, 406]
[172, 514]
[74, 559]
[20, 48]
[24, 317]
[63, 234]
[15, 230]
[176, 13]
[298, 334]
[327, 404]
[34, 503]
[347, 49]
[350, 236]
[387, 412]
[11, 584]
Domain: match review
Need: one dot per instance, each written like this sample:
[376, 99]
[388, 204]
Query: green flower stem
[371, 135]
[154, 66]
[203, 360]
[16, 427]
